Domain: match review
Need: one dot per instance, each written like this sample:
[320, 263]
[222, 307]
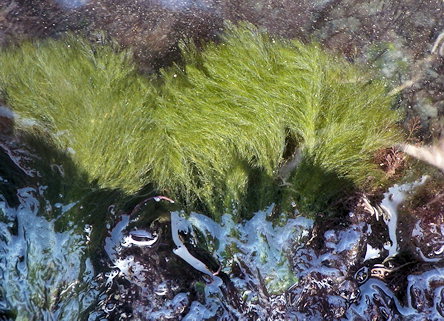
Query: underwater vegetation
[213, 132]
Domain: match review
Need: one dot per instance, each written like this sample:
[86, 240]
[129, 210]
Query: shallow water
[255, 247]
[338, 279]
[45, 274]
[193, 268]
[360, 267]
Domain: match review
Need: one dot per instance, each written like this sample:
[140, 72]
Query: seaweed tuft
[211, 133]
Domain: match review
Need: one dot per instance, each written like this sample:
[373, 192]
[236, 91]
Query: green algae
[212, 133]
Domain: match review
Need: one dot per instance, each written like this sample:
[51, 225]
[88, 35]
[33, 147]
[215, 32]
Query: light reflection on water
[258, 242]
[424, 299]
[45, 274]
[259, 247]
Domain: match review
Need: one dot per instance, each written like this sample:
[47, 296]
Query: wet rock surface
[147, 280]
[151, 281]
[398, 38]
[338, 279]
[342, 266]
[343, 269]
[324, 266]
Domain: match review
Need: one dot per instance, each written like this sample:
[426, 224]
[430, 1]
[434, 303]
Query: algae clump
[211, 130]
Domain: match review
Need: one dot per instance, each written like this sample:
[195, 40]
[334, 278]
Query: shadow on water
[44, 270]
[62, 258]
[12, 178]
[53, 223]
[317, 191]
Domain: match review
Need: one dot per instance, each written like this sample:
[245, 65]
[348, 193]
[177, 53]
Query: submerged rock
[337, 266]
[153, 282]
[340, 267]
[338, 278]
